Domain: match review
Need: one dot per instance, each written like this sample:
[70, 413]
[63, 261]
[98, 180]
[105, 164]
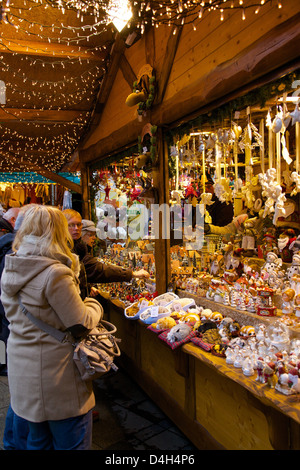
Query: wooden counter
[214, 404]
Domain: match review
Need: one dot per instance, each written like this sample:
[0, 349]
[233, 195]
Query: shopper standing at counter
[92, 270]
[8, 220]
[45, 386]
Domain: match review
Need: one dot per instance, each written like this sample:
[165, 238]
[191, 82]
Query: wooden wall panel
[200, 51]
[159, 362]
[216, 41]
[116, 113]
[217, 59]
[222, 407]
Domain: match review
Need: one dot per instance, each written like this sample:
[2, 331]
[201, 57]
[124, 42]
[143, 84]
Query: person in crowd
[16, 428]
[6, 242]
[88, 233]
[45, 386]
[8, 220]
[221, 213]
[89, 236]
[92, 270]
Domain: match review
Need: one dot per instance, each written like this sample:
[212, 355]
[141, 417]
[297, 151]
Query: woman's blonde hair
[51, 227]
[71, 213]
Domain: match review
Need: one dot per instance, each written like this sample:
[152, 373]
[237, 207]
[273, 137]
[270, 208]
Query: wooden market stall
[196, 71]
[213, 403]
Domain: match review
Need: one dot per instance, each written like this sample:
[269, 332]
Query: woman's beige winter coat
[43, 380]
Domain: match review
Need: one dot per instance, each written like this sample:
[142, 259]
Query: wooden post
[162, 246]
[86, 207]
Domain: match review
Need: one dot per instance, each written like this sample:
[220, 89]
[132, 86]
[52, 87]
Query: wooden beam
[127, 71]
[106, 84]
[160, 176]
[86, 203]
[60, 180]
[47, 174]
[171, 49]
[38, 115]
[113, 142]
[57, 51]
[150, 47]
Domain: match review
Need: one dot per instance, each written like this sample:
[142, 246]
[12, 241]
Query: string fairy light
[85, 29]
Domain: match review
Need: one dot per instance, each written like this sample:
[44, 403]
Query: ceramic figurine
[247, 331]
[269, 373]
[230, 356]
[282, 385]
[297, 305]
[249, 234]
[248, 368]
[260, 368]
[260, 332]
[272, 263]
[278, 336]
[293, 272]
[287, 302]
[294, 381]
[238, 361]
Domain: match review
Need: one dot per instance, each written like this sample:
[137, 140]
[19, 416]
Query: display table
[214, 404]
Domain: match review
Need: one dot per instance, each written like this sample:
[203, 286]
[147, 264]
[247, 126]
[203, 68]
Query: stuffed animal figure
[178, 332]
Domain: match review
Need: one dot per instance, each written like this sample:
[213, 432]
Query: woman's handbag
[94, 354]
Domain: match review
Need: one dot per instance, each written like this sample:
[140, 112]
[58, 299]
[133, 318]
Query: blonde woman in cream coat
[45, 386]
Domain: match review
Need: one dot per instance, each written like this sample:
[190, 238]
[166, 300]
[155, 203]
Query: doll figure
[269, 242]
[294, 269]
[285, 241]
[297, 305]
[249, 234]
[287, 301]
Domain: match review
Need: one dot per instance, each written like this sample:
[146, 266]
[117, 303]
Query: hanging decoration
[295, 178]
[143, 90]
[272, 190]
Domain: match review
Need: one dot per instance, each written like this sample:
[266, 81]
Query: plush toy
[164, 323]
[179, 332]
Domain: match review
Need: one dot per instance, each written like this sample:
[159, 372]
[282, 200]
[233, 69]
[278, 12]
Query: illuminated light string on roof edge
[134, 12]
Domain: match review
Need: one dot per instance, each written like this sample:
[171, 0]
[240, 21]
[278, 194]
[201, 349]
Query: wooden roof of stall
[52, 64]
[67, 78]
[199, 66]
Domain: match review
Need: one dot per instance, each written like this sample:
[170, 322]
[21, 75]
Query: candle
[177, 169]
[203, 169]
[297, 130]
[218, 162]
[262, 149]
[278, 157]
[270, 148]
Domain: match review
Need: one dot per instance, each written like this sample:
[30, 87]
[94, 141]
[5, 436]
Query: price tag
[154, 312]
[143, 304]
[176, 306]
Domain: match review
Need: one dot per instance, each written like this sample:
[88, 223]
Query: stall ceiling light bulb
[119, 11]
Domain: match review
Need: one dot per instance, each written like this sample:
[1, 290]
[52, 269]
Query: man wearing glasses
[93, 271]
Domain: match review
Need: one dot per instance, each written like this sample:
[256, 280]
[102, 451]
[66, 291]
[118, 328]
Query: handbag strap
[57, 334]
